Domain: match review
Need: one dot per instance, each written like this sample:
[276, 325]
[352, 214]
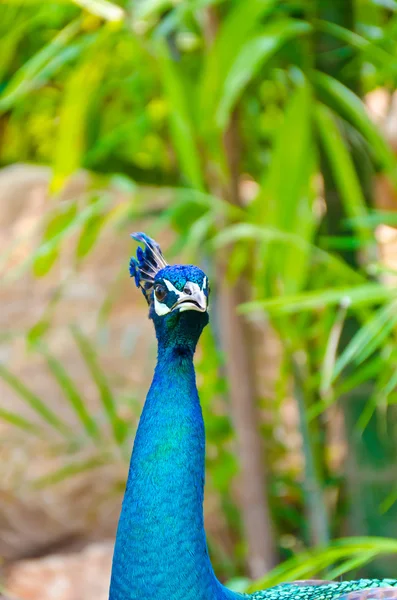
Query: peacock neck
[161, 550]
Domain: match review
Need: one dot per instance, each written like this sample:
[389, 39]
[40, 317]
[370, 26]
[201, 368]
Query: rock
[80, 576]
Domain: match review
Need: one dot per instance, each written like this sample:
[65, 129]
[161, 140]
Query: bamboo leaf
[72, 394]
[351, 564]
[238, 26]
[355, 40]
[89, 235]
[27, 396]
[70, 470]
[181, 121]
[27, 77]
[350, 107]
[48, 246]
[250, 59]
[80, 88]
[311, 563]
[360, 295]
[286, 202]
[20, 422]
[368, 338]
[343, 169]
[59, 219]
[105, 393]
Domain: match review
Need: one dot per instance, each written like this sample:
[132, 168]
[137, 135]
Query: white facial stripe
[205, 283]
[160, 308]
[172, 288]
[194, 287]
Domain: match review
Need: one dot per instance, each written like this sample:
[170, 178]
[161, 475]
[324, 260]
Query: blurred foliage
[147, 95]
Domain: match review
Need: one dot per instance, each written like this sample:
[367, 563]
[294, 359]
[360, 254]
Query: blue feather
[148, 262]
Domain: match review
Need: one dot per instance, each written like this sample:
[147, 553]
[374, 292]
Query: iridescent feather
[148, 262]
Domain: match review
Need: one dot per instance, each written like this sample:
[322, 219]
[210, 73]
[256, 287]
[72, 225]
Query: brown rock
[80, 576]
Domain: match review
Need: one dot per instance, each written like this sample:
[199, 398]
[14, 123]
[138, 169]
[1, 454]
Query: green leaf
[99, 378]
[27, 396]
[360, 295]
[374, 52]
[89, 235]
[44, 263]
[72, 394]
[351, 564]
[59, 220]
[38, 330]
[343, 169]
[250, 59]
[368, 339]
[71, 470]
[350, 107]
[79, 91]
[27, 77]
[286, 203]
[181, 119]
[20, 422]
[308, 564]
[238, 27]
[73, 225]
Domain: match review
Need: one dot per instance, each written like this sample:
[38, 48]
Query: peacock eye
[160, 292]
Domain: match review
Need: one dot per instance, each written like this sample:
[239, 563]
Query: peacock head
[177, 295]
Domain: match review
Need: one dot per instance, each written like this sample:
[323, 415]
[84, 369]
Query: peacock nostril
[187, 290]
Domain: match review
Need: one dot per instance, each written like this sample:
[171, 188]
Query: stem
[316, 510]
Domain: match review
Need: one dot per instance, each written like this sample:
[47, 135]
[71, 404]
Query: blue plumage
[161, 551]
[146, 264]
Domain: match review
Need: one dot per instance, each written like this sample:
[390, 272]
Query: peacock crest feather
[147, 263]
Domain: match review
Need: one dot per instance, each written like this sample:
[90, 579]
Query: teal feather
[161, 551]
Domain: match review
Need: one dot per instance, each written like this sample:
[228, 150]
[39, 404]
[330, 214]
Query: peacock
[161, 551]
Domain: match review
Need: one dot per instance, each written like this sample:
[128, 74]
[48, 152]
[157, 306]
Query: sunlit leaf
[351, 108]
[239, 26]
[89, 235]
[368, 338]
[251, 58]
[311, 563]
[58, 221]
[79, 91]
[28, 76]
[102, 8]
[286, 203]
[343, 169]
[181, 119]
[361, 295]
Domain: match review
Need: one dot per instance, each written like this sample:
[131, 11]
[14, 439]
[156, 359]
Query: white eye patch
[160, 308]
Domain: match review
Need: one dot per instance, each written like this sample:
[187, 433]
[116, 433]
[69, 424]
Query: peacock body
[161, 551]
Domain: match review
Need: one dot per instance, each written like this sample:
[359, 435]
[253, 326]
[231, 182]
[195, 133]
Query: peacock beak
[191, 299]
